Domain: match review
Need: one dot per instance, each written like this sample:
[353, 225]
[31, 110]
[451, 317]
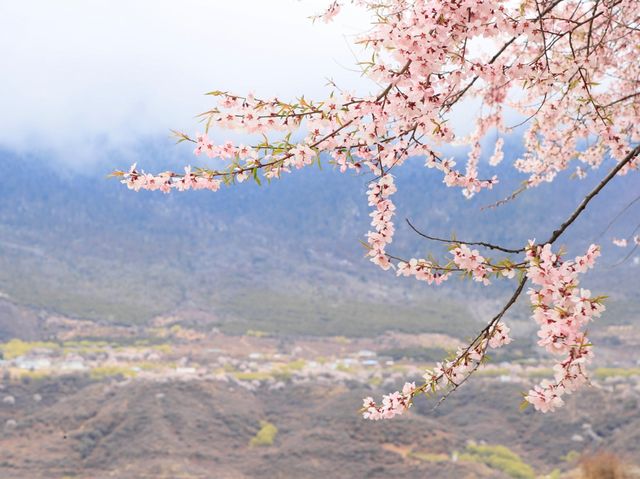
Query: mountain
[84, 246]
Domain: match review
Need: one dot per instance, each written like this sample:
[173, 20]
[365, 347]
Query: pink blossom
[562, 309]
[621, 243]
[331, 12]
[500, 336]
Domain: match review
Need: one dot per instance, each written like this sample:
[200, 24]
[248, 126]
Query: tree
[569, 68]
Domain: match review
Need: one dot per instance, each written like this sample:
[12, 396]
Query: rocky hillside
[204, 429]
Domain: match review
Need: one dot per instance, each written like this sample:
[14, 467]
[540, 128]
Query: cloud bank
[84, 80]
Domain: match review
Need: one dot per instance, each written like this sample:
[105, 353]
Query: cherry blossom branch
[454, 373]
[555, 57]
[486, 333]
[502, 49]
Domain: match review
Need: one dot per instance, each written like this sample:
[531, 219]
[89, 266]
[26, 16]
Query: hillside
[84, 246]
[193, 430]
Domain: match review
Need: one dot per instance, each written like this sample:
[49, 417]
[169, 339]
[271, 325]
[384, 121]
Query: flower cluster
[378, 194]
[165, 182]
[560, 307]
[392, 405]
[472, 262]
[623, 242]
[562, 310]
[330, 12]
[620, 242]
[423, 270]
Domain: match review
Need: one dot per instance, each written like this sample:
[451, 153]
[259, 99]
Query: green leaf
[365, 245]
[255, 176]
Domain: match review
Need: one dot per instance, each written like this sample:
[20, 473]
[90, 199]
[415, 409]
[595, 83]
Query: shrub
[102, 372]
[265, 436]
[500, 458]
[428, 457]
[253, 376]
[16, 347]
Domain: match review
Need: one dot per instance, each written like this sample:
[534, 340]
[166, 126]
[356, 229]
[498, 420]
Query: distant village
[257, 360]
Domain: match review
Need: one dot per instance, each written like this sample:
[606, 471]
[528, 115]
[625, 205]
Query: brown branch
[595, 10]
[469, 243]
[514, 297]
[620, 213]
[619, 100]
[583, 204]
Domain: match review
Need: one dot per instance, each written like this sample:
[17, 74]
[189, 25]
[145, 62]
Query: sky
[82, 79]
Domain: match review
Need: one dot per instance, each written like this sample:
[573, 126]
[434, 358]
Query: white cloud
[83, 76]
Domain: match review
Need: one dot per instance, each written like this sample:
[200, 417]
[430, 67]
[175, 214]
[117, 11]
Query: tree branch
[514, 297]
[627, 159]
[469, 243]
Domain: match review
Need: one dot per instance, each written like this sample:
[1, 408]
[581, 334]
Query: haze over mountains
[85, 246]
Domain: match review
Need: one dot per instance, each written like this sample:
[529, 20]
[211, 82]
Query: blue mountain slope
[85, 245]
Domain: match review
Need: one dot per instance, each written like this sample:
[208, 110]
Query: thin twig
[469, 243]
[583, 204]
[620, 213]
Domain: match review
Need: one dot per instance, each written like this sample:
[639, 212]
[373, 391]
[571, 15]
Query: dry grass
[603, 465]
